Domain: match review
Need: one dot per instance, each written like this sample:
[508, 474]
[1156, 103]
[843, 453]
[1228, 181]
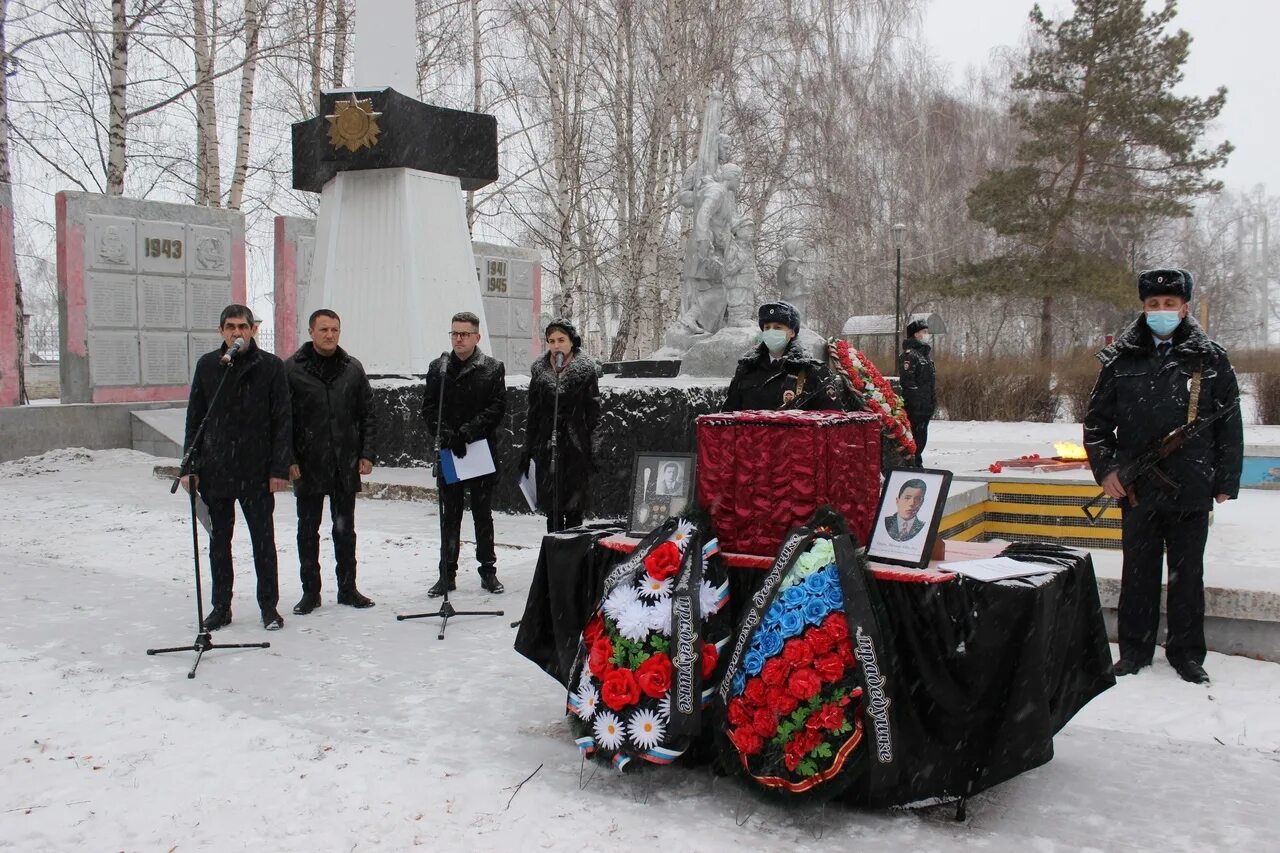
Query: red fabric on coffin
[761, 473]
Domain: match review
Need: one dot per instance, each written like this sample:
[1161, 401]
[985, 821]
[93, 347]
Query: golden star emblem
[354, 124]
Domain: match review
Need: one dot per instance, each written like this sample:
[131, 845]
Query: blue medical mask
[926, 339]
[774, 339]
[1163, 323]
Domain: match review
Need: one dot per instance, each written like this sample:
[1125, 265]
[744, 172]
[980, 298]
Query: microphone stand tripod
[446, 611]
[204, 639]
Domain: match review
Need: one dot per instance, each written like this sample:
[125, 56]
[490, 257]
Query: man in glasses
[474, 386]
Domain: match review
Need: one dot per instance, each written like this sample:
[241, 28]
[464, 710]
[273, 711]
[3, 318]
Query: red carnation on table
[654, 675]
[804, 684]
[663, 561]
[619, 689]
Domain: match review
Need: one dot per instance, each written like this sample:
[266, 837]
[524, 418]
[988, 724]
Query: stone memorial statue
[720, 283]
[741, 280]
[794, 281]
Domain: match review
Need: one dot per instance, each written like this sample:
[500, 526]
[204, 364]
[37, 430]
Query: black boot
[1190, 671]
[309, 601]
[217, 618]
[437, 589]
[1127, 666]
[353, 598]
[271, 620]
[489, 582]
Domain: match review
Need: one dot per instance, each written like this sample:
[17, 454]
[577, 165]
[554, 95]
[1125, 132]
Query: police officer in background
[918, 378]
[778, 373]
[333, 437]
[1162, 372]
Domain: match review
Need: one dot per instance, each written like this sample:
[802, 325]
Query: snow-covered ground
[357, 732]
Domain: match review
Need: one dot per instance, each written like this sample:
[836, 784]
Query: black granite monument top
[400, 133]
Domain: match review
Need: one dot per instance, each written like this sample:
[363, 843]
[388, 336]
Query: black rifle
[1148, 463]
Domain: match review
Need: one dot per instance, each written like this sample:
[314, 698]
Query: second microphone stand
[446, 611]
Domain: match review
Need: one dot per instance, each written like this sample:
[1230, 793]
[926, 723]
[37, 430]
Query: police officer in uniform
[778, 373]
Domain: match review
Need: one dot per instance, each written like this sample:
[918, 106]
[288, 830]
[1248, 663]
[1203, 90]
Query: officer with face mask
[1162, 372]
[918, 377]
[778, 373]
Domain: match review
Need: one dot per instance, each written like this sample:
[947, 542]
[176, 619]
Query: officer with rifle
[1165, 439]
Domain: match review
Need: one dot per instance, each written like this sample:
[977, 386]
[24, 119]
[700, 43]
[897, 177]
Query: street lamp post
[899, 237]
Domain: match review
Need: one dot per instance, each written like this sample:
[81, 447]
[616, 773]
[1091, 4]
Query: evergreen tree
[1109, 148]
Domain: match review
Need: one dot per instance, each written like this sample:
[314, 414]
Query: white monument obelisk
[393, 254]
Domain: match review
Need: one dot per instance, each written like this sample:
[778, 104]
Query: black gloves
[458, 446]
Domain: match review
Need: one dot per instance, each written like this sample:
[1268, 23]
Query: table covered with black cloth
[980, 675]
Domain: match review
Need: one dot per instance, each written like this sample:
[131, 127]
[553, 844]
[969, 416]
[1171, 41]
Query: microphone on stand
[559, 360]
[232, 350]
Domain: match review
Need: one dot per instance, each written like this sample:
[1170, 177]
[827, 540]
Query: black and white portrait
[661, 487]
[910, 512]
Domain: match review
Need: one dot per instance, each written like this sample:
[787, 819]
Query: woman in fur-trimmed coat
[579, 412]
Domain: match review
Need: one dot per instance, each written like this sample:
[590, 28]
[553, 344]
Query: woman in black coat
[579, 412]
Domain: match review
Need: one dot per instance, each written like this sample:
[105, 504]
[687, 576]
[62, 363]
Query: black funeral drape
[983, 674]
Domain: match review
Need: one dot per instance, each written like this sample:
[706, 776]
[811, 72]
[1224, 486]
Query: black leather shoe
[1126, 666]
[309, 601]
[353, 598]
[437, 589]
[1190, 671]
[271, 620]
[490, 583]
[217, 618]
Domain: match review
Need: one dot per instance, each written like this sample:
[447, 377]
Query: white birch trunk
[244, 126]
[117, 132]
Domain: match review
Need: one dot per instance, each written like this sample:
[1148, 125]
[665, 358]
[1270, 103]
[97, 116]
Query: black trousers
[257, 509]
[564, 522]
[451, 505]
[1147, 537]
[342, 512]
[920, 432]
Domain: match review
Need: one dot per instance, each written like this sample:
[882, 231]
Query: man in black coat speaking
[243, 456]
[1163, 372]
[474, 386]
[333, 436]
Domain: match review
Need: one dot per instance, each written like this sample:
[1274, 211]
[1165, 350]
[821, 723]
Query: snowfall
[355, 731]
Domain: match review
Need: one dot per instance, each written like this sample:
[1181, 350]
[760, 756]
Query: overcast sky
[1233, 45]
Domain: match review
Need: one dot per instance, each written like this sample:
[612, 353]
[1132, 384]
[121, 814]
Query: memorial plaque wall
[141, 285]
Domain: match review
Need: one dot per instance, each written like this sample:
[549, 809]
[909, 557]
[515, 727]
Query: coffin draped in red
[760, 473]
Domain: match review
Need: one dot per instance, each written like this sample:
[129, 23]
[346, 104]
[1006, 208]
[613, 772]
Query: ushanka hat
[566, 327]
[915, 326]
[780, 312]
[1169, 282]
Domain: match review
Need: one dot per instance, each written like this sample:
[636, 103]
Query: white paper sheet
[997, 568]
[477, 462]
[529, 485]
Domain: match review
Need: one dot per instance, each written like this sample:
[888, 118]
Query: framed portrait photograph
[907, 519]
[661, 486]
